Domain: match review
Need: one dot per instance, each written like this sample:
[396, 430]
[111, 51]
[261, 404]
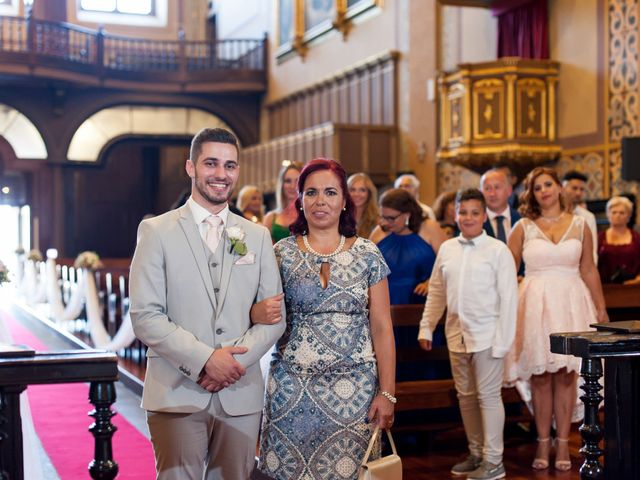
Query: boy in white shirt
[474, 278]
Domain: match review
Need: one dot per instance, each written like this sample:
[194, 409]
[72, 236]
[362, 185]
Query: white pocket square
[247, 259]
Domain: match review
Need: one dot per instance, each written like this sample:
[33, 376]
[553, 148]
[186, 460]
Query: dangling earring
[406, 221]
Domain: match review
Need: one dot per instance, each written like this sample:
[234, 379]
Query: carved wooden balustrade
[20, 367]
[55, 50]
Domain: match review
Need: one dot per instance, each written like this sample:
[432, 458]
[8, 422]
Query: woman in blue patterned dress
[332, 379]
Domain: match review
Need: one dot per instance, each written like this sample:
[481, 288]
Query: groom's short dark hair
[217, 135]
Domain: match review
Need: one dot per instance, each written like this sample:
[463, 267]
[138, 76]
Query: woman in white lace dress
[561, 292]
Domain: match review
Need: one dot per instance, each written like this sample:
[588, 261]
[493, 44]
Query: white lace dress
[552, 298]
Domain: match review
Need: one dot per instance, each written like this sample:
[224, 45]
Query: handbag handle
[376, 432]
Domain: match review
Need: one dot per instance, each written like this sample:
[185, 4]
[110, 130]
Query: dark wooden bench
[434, 394]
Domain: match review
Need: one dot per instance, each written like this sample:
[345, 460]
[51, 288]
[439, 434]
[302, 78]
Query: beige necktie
[214, 232]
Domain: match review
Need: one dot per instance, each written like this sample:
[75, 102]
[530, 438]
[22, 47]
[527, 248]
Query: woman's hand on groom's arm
[267, 311]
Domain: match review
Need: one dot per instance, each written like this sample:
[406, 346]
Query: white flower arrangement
[236, 237]
[89, 260]
[4, 273]
[35, 255]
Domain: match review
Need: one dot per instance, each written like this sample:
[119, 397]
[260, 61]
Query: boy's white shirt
[478, 286]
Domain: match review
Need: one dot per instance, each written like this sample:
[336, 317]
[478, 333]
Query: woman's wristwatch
[389, 397]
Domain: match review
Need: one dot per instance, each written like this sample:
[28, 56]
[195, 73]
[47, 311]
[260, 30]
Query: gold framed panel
[488, 109]
[456, 114]
[531, 105]
[301, 21]
[288, 26]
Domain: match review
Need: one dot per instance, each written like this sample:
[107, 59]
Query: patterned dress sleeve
[378, 269]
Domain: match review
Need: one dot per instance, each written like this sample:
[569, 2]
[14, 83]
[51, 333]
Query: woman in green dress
[278, 220]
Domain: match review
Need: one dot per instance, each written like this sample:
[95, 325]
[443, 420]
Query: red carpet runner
[60, 417]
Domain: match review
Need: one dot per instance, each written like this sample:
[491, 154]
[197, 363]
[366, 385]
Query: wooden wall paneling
[273, 119]
[343, 101]
[315, 107]
[388, 84]
[308, 109]
[283, 119]
[365, 97]
[352, 98]
[257, 166]
[335, 102]
[310, 150]
[350, 149]
[375, 96]
[289, 114]
[300, 113]
[287, 124]
[325, 104]
[380, 153]
[253, 173]
[362, 95]
[298, 148]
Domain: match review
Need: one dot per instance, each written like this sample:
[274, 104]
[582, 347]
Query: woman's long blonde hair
[369, 218]
[281, 201]
[244, 195]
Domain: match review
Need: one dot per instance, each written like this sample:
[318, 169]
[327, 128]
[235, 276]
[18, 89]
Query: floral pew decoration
[34, 287]
[89, 262]
[4, 273]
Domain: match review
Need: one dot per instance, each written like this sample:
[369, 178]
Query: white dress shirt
[477, 285]
[506, 223]
[590, 218]
[200, 214]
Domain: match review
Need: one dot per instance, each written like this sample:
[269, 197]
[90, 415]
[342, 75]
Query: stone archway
[101, 128]
[21, 134]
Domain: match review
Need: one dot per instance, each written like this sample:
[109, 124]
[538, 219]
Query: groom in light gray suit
[192, 286]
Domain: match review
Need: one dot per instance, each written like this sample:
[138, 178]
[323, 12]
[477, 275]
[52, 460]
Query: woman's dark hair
[442, 202]
[402, 201]
[529, 206]
[347, 225]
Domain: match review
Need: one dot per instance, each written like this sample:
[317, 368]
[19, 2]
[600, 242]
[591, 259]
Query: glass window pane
[98, 5]
[139, 7]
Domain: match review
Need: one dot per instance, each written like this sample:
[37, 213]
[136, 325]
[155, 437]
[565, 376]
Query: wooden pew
[433, 394]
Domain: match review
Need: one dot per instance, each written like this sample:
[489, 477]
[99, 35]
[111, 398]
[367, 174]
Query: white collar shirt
[475, 281]
[200, 214]
[590, 218]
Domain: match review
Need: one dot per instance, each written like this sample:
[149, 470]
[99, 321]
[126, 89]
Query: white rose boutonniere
[236, 237]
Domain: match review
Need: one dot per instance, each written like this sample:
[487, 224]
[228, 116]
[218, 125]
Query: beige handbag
[384, 468]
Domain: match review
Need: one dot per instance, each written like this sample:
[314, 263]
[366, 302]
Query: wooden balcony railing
[35, 43]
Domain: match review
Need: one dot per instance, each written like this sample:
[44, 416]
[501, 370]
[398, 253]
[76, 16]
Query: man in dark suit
[501, 217]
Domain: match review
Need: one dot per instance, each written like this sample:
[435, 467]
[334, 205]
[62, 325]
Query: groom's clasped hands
[222, 369]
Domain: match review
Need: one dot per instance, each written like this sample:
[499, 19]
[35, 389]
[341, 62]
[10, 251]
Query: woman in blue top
[409, 244]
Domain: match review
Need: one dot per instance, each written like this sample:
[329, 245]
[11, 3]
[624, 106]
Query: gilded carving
[488, 109]
[504, 111]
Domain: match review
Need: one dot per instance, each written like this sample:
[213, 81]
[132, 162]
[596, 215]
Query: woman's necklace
[305, 240]
[552, 219]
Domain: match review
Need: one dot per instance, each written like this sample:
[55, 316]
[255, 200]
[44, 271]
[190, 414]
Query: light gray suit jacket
[174, 311]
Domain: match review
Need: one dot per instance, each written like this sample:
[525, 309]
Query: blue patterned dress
[323, 377]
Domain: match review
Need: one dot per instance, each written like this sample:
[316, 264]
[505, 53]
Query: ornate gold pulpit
[500, 111]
